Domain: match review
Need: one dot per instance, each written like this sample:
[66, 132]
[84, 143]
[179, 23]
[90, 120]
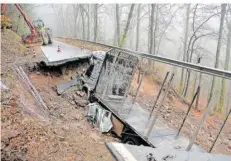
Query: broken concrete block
[63, 86]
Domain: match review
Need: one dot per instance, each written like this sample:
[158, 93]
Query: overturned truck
[108, 82]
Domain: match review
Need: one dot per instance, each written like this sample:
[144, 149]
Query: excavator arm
[27, 20]
[43, 34]
[3, 9]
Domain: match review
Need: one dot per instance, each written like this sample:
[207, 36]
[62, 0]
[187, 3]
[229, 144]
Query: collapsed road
[59, 53]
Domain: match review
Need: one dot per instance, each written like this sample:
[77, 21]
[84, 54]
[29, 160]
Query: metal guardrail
[178, 63]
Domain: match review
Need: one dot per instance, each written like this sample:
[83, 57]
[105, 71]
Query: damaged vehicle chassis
[124, 66]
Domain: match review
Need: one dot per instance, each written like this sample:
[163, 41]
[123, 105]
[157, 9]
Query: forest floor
[27, 133]
[63, 133]
[175, 109]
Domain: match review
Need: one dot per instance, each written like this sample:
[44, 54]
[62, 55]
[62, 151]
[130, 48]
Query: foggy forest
[195, 33]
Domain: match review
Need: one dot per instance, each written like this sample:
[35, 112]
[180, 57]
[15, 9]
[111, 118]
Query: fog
[170, 45]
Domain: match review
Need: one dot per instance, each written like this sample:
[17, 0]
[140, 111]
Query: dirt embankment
[62, 134]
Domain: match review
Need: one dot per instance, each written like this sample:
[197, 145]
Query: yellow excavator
[39, 33]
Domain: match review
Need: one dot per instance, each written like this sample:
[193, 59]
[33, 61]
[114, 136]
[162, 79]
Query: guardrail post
[189, 109]
[158, 96]
[159, 107]
[218, 134]
[208, 108]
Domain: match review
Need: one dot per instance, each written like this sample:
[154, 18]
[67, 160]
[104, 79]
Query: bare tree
[151, 28]
[59, 10]
[191, 45]
[138, 27]
[75, 12]
[117, 24]
[95, 22]
[185, 43]
[122, 41]
[155, 28]
[87, 12]
[83, 21]
[223, 9]
[226, 66]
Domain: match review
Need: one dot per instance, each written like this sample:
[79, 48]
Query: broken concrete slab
[124, 152]
[63, 86]
[68, 53]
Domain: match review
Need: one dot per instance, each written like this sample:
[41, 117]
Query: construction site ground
[63, 133]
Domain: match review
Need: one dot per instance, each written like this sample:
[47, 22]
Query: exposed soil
[62, 133]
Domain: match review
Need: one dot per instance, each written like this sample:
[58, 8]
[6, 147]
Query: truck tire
[45, 38]
[50, 39]
[131, 140]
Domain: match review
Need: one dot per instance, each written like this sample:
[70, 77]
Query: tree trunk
[223, 8]
[149, 24]
[226, 67]
[198, 96]
[96, 22]
[138, 27]
[188, 74]
[127, 26]
[229, 100]
[88, 22]
[76, 10]
[83, 23]
[155, 30]
[150, 50]
[117, 24]
[195, 79]
[185, 44]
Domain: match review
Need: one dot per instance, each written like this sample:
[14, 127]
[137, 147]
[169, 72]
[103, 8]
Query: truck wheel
[45, 38]
[131, 140]
[50, 40]
[91, 98]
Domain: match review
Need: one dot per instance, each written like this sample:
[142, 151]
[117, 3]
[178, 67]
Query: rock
[65, 128]
[94, 136]
[211, 139]
[72, 102]
[74, 97]
[227, 142]
[61, 138]
[81, 103]
[78, 117]
[79, 93]
[82, 94]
